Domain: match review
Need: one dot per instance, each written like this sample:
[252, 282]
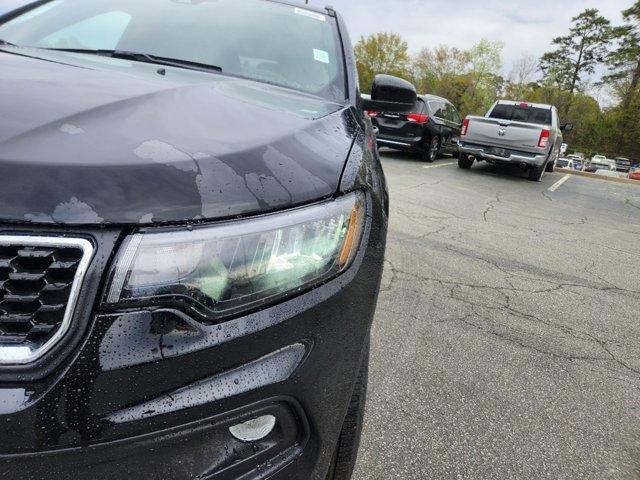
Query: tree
[381, 53]
[624, 61]
[486, 83]
[470, 79]
[432, 68]
[486, 61]
[623, 80]
[579, 52]
[522, 76]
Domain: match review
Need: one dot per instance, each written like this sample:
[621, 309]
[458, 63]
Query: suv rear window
[517, 113]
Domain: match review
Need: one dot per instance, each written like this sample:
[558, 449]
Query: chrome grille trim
[23, 355]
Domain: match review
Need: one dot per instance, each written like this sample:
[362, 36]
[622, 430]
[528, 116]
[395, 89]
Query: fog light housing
[255, 429]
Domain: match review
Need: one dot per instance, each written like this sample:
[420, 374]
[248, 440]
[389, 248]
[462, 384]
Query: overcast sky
[525, 26]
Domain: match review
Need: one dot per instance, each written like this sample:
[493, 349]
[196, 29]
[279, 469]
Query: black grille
[35, 284]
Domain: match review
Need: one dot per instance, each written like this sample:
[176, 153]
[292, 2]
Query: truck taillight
[544, 138]
[465, 127]
[418, 118]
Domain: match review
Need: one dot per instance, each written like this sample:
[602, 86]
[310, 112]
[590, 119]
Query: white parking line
[441, 165]
[559, 183]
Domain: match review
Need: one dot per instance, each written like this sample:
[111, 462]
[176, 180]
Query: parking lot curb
[598, 177]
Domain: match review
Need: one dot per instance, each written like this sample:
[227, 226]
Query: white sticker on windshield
[310, 14]
[321, 56]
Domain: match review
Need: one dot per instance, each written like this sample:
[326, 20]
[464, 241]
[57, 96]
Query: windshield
[255, 39]
[522, 113]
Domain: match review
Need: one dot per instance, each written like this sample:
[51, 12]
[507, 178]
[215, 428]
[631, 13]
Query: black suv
[193, 220]
[433, 126]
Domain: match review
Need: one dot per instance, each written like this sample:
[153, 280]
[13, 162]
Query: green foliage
[579, 52]
[381, 53]
[624, 80]
[432, 68]
[472, 80]
[468, 78]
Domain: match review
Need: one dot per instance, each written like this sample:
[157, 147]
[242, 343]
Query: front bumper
[515, 157]
[151, 394]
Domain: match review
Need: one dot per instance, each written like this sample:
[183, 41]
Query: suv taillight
[418, 118]
[465, 127]
[372, 113]
[543, 142]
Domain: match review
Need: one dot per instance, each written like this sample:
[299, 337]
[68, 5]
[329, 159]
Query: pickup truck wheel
[536, 173]
[464, 160]
[431, 153]
[550, 166]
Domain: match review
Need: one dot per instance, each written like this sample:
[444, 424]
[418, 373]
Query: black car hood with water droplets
[90, 140]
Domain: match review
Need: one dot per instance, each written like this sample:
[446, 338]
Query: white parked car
[565, 162]
[600, 162]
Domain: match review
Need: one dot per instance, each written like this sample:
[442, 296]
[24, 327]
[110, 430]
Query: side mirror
[391, 94]
[567, 127]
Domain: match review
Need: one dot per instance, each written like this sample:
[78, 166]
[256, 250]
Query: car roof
[428, 96]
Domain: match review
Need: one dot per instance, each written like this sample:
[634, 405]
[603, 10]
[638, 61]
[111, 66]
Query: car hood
[92, 140]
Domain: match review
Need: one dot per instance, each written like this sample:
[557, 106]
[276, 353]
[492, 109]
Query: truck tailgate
[504, 133]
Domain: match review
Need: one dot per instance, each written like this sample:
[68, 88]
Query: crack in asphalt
[418, 219]
[394, 277]
[582, 221]
[576, 334]
[628, 201]
[588, 268]
[503, 305]
[527, 346]
[492, 204]
[611, 287]
[423, 184]
[506, 308]
[423, 236]
[484, 311]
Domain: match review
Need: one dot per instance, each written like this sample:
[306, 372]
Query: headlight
[220, 270]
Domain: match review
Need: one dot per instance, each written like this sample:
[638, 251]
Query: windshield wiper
[144, 57]
[7, 44]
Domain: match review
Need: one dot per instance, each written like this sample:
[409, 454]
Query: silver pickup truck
[528, 135]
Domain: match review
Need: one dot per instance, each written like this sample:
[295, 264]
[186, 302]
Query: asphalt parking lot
[506, 343]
